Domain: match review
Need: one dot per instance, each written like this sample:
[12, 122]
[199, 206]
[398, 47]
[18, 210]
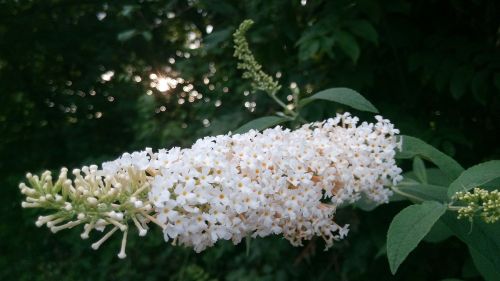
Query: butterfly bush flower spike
[277, 182]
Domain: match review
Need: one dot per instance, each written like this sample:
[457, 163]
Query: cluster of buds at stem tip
[480, 202]
[248, 63]
[93, 199]
[229, 187]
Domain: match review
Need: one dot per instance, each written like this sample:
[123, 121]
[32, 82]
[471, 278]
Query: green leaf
[482, 238]
[475, 176]
[408, 228]
[126, 35]
[413, 146]
[407, 181]
[492, 185]
[348, 44]
[487, 269]
[438, 233]
[260, 124]
[343, 96]
[434, 176]
[363, 29]
[308, 49]
[423, 191]
[469, 270]
[419, 169]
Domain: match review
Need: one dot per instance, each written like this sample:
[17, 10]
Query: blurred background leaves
[83, 81]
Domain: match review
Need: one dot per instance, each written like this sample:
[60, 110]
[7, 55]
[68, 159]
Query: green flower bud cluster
[93, 200]
[480, 202]
[252, 69]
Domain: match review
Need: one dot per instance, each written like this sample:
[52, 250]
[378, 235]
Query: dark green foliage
[260, 124]
[408, 228]
[475, 176]
[343, 96]
[432, 67]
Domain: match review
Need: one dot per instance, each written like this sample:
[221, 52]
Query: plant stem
[402, 193]
[449, 207]
[282, 104]
[453, 208]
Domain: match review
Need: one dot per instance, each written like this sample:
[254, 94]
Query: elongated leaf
[475, 176]
[492, 185]
[260, 124]
[343, 96]
[419, 169]
[424, 191]
[406, 181]
[438, 233]
[408, 228]
[488, 270]
[434, 176]
[364, 29]
[308, 49]
[348, 44]
[415, 147]
[469, 270]
[482, 239]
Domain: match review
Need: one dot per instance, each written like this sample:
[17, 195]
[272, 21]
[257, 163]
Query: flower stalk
[253, 70]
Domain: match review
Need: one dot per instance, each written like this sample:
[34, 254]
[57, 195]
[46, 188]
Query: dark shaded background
[432, 67]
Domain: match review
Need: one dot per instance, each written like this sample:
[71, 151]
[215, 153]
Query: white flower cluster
[274, 182]
[232, 186]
